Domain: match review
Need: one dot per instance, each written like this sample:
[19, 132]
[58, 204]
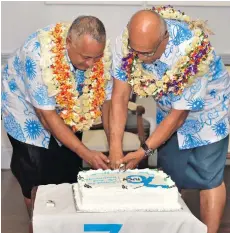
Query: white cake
[146, 189]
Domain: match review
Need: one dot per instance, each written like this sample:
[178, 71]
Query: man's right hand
[98, 160]
[114, 158]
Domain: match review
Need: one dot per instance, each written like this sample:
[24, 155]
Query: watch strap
[148, 151]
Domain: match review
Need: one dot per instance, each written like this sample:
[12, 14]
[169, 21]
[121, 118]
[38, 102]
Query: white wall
[19, 19]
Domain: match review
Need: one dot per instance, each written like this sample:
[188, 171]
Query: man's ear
[68, 42]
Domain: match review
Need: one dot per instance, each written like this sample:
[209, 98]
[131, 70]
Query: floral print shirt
[207, 99]
[23, 89]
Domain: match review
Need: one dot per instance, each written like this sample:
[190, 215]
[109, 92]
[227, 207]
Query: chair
[131, 124]
[95, 138]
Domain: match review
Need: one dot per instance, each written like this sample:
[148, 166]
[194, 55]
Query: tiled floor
[192, 200]
[15, 218]
[14, 214]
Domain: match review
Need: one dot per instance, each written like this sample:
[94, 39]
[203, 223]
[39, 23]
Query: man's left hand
[113, 158]
[132, 159]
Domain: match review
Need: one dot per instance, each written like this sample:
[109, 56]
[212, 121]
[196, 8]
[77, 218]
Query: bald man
[192, 126]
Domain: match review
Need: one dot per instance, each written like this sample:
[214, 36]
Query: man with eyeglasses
[148, 54]
[168, 59]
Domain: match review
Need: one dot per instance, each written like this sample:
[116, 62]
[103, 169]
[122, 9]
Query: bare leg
[30, 228]
[212, 203]
[183, 194]
[28, 206]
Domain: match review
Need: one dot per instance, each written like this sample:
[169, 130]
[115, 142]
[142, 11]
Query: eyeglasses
[148, 54]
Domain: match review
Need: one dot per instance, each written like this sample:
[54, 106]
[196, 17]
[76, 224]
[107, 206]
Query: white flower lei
[146, 84]
[77, 112]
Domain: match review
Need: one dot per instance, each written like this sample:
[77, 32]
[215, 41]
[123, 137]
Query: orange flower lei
[79, 113]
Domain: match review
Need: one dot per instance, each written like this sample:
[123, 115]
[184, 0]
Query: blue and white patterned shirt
[208, 98]
[23, 89]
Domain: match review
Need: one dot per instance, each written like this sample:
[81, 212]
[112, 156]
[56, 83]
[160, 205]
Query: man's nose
[90, 62]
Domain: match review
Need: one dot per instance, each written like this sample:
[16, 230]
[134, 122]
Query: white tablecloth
[63, 218]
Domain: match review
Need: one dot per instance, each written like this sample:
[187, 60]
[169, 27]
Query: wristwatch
[148, 151]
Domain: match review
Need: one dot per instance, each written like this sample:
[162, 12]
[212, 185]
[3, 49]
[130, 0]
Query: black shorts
[33, 166]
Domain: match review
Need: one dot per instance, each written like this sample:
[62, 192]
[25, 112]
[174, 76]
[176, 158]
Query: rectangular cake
[114, 190]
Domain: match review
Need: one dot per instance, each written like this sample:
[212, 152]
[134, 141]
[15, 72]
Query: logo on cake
[145, 181]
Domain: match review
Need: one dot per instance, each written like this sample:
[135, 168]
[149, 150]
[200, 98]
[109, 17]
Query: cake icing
[113, 190]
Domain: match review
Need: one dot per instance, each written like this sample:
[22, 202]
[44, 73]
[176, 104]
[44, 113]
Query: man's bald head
[146, 28]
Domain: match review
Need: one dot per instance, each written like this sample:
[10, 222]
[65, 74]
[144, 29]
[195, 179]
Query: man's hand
[113, 158]
[131, 160]
[98, 160]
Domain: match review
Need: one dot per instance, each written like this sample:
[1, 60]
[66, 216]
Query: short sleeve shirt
[23, 89]
[207, 99]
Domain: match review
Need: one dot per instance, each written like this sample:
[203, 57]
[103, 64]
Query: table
[64, 218]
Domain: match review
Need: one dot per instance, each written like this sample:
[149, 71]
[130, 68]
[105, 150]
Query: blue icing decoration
[138, 179]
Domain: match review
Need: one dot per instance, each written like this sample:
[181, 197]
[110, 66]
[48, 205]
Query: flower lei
[195, 62]
[77, 112]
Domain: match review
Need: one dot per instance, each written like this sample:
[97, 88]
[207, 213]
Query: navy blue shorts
[198, 168]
